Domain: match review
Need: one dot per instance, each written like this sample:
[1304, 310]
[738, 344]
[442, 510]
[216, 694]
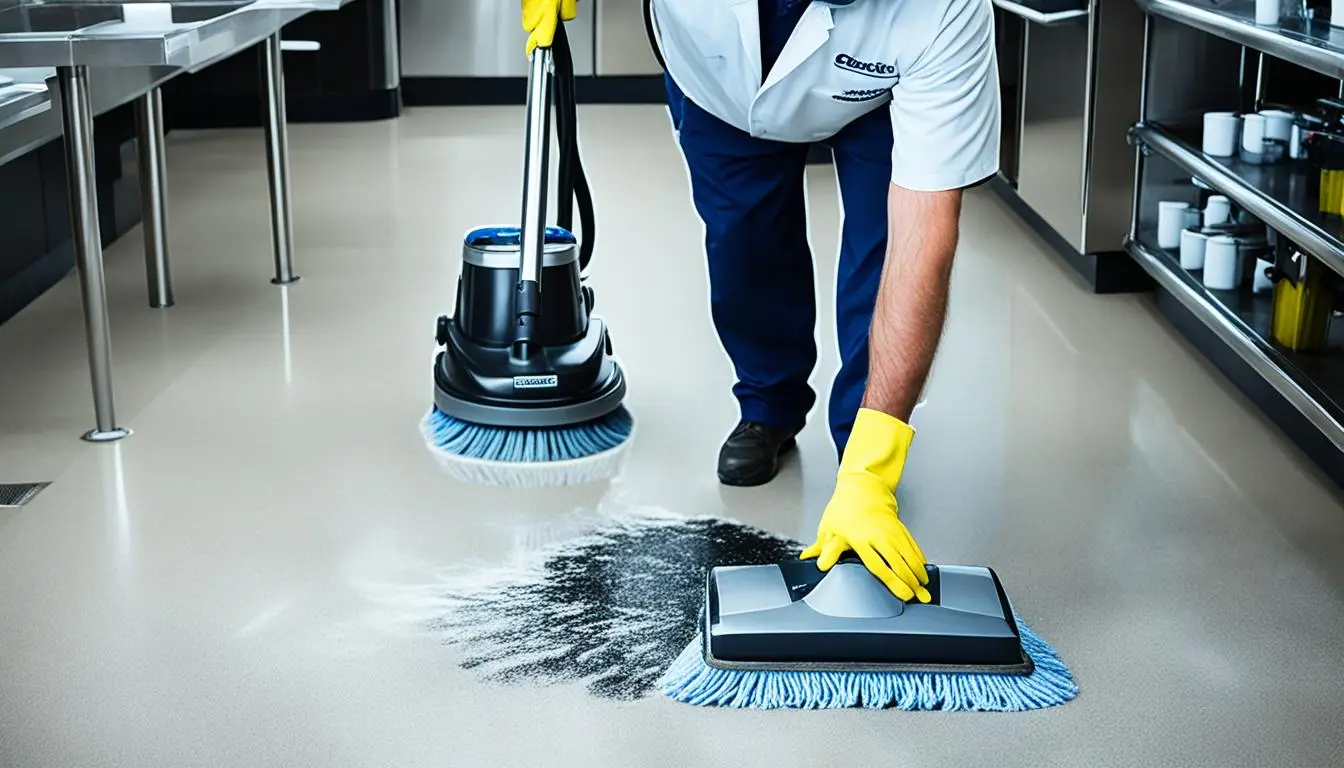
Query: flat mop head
[788, 635]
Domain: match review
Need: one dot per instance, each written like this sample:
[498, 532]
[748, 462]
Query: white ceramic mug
[1172, 217]
[1253, 134]
[1192, 248]
[1267, 12]
[1218, 210]
[1262, 283]
[1222, 263]
[1278, 124]
[1221, 130]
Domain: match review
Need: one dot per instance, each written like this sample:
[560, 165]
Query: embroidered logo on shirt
[867, 94]
[870, 68]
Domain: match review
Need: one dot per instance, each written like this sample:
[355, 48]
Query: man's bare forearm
[911, 298]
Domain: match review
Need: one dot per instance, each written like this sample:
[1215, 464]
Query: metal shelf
[1275, 194]
[1268, 361]
[1314, 45]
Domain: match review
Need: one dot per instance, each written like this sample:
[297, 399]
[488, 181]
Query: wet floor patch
[610, 609]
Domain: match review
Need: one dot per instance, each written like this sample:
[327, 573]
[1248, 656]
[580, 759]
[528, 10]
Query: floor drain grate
[18, 494]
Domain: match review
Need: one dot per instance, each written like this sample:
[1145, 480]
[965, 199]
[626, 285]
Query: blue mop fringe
[461, 438]
[692, 681]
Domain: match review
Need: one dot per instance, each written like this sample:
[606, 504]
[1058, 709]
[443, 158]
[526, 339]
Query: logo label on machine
[535, 382]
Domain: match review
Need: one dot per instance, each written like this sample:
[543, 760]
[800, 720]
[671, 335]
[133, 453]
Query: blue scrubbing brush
[529, 458]
[692, 681]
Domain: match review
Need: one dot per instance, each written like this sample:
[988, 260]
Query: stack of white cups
[1173, 216]
[1217, 210]
[1221, 257]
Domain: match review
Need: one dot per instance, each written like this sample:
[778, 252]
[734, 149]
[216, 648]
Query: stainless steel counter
[20, 101]
[1071, 79]
[87, 56]
[109, 88]
[184, 35]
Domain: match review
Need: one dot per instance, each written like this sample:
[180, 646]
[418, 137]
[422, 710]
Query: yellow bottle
[1301, 315]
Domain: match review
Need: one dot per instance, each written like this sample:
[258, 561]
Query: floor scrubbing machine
[527, 391]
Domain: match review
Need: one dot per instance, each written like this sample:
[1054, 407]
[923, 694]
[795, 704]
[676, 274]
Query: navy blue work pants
[749, 194]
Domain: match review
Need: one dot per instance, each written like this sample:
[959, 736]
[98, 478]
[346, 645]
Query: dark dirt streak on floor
[611, 609]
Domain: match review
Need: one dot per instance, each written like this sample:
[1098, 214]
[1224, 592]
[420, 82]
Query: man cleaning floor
[751, 84]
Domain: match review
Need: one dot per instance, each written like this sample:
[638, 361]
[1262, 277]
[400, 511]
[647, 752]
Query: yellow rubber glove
[861, 515]
[541, 17]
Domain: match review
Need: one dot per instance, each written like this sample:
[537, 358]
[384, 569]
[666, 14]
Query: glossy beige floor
[223, 587]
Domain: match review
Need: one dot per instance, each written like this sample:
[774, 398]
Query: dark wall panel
[35, 250]
[344, 81]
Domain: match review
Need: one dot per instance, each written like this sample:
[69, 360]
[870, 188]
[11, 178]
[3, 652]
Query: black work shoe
[751, 454]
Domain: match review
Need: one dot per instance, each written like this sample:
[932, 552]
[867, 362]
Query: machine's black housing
[569, 377]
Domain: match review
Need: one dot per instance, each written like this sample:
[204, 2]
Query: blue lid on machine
[485, 237]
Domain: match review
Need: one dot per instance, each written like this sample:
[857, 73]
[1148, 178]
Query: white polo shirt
[930, 62]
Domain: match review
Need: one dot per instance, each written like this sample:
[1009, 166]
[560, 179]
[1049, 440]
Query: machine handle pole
[536, 164]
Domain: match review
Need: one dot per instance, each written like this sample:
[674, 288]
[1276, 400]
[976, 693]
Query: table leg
[77, 118]
[154, 196]
[277, 160]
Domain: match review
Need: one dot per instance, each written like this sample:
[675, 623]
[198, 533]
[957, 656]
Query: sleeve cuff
[942, 182]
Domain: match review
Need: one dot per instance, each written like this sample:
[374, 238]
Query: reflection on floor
[231, 585]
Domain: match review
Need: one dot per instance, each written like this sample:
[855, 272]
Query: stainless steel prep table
[109, 88]
[22, 99]
[77, 37]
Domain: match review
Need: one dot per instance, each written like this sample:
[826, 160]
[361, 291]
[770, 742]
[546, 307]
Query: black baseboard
[1105, 271]
[196, 110]
[496, 91]
[510, 91]
[1286, 417]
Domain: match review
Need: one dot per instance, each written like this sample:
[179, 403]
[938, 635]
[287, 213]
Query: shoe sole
[761, 478]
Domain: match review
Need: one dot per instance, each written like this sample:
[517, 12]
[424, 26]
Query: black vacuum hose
[564, 136]
[573, 182]
[653, 34]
